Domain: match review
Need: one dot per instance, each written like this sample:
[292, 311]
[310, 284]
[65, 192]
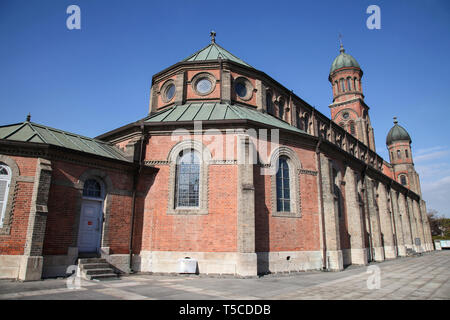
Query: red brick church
[229, 168]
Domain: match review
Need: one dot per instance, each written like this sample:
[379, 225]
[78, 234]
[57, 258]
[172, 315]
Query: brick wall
[14, 242]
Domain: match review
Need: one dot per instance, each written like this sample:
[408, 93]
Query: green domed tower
[398, 143]
[348, 108]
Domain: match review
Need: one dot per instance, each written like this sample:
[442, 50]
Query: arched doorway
[91, 217]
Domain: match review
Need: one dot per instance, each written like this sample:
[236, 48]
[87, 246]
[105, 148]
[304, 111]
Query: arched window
[305, 123]
[342, 85]
[336, 87]
[349, 84]
[5, 180]
[187, 179]
[92, 189]
[283, 187]
[403, 180]
[298, 120]
[399, 155]
[355, 84]
[281, 108]
[406, 153]
[352, 127]
[269, 103]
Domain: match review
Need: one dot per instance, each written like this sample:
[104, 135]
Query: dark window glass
[281, 108]
[92, 189]
[305, 123]
[352, 128]
[241, 89]
[188, 179]
[170, 92]
[204, 85]
[269, 103]
[399, 155]
[403, 180]
[349, 84]
[283, 189]
[342, 85]
[406, 153]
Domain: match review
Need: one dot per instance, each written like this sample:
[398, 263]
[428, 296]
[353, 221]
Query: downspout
[137, 171]
[322, 209]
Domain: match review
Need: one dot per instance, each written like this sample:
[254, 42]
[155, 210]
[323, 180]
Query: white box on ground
[187, 265]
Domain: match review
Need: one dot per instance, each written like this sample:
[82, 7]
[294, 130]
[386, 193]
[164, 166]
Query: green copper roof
[397, 133]
[212, 52]
[33, 132]
[343, 60]
[217, 111]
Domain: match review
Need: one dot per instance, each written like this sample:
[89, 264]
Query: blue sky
[93, 80]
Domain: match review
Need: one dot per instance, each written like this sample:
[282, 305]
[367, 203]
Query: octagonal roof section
[213, 52]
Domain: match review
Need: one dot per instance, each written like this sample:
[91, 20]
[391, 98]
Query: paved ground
[421, 277]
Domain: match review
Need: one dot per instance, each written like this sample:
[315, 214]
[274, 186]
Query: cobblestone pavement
[421, 277]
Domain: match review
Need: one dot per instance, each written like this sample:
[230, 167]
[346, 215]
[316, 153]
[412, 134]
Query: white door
[90, 226]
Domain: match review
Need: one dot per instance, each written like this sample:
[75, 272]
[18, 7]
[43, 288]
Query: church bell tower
[348, 108]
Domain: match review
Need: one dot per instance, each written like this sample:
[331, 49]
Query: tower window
[406, 154]
[392, 155]
[352, 128]
[403, 180]
[349, 84]
[355, 84]
[399, 155]
[342, 85]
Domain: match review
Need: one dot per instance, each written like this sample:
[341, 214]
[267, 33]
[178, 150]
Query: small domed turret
[397, 133]
[343, 60]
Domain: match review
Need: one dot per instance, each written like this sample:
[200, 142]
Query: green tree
[440, 226]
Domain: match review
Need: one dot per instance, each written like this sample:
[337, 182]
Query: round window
[204, 86]
[345, 115]
[241, 89]
[170, 92]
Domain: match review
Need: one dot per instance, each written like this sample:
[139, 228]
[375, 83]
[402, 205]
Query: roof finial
[342, 50]
[28, 117]
[395, 120]
[213, 36]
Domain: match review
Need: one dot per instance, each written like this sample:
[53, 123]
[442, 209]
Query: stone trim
[13, 189]
[163, 90]
[156, 162]
[204, 177]
[310, 172]
[294, 185]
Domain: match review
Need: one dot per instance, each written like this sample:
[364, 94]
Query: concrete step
[102, 276]
[99, 271]
[91, 260]
[88, 266]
